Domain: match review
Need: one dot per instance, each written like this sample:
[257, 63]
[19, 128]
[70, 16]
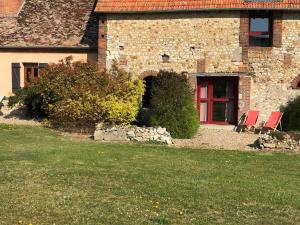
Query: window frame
[261, 14]
[32, 67]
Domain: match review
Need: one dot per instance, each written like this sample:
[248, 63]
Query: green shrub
[144, 117]
[172, 105]
[31, 98]
[78, 95]
[291, 116]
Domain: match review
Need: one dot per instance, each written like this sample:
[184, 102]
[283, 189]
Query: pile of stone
[270, 141]
[137, 134]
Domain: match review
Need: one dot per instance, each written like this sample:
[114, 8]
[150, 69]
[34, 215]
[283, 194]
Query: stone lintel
[220, 74]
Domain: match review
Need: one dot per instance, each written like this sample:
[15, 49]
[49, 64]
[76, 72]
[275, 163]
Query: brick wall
[244, 95]
[102, 42]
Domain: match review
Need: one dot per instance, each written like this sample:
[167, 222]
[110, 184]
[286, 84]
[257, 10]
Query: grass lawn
[47, 179]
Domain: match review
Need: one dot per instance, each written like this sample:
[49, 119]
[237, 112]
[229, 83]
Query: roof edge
[47, 48]
[194, 10]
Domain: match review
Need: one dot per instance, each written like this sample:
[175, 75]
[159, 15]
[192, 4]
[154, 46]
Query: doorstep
[218, 127]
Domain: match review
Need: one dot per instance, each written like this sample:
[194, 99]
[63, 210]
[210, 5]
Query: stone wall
[135, 134]
[210, 42]
[139, 41]
[275, 68]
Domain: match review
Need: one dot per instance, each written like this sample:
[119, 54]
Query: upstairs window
[260, 29]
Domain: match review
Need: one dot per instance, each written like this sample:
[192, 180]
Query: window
[31, 71]
[260, 29]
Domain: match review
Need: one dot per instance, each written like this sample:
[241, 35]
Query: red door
[217, 100]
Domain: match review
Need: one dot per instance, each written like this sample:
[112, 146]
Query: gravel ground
[15, 116]
[206, 138]
[219, 139]
[17, 121]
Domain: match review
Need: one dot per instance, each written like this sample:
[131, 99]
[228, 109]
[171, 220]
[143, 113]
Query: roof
[119, 6]
[51, 23]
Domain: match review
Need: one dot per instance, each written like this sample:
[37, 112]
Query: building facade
[34, 33]
[238, 56]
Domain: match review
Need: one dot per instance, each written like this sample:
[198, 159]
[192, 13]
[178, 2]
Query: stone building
[34, 33]
[238, 54]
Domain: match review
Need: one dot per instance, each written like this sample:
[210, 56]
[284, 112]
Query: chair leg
[280, 126]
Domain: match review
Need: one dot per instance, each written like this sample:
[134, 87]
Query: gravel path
[206, 138]
[15, 116]
[218, 139]
[17, 121]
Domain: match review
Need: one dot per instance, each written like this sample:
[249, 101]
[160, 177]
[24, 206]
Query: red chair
[250, 120]
[273, 121]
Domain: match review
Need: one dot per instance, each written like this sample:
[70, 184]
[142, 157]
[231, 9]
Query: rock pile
[272, 142]
[138, 134]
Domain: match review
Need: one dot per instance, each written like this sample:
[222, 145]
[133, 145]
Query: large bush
[291, 116]
[78, 95]
[172, 105]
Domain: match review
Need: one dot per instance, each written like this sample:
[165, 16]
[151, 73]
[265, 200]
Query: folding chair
[250, 120]
[274, 121]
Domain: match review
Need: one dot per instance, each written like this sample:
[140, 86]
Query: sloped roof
[51, 23]
[119, 6]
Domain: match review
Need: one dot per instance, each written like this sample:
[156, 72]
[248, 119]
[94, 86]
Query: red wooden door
[217, 100]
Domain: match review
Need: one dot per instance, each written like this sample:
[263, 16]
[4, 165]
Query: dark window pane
[220, 89]
[262, 41]
[28, 73]
[36, 71]
[219, 111]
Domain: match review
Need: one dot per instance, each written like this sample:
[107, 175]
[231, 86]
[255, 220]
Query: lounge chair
[274, 121]
[250, 120]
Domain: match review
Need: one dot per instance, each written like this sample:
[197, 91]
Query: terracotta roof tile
[118, 6]
[51, 23]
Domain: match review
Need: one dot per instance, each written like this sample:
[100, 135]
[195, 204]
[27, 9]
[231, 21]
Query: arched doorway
[148, 91]
[148, 77]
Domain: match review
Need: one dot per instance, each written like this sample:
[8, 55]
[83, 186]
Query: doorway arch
[147, 77]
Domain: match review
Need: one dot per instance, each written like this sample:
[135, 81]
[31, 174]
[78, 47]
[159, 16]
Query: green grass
[47, 179]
